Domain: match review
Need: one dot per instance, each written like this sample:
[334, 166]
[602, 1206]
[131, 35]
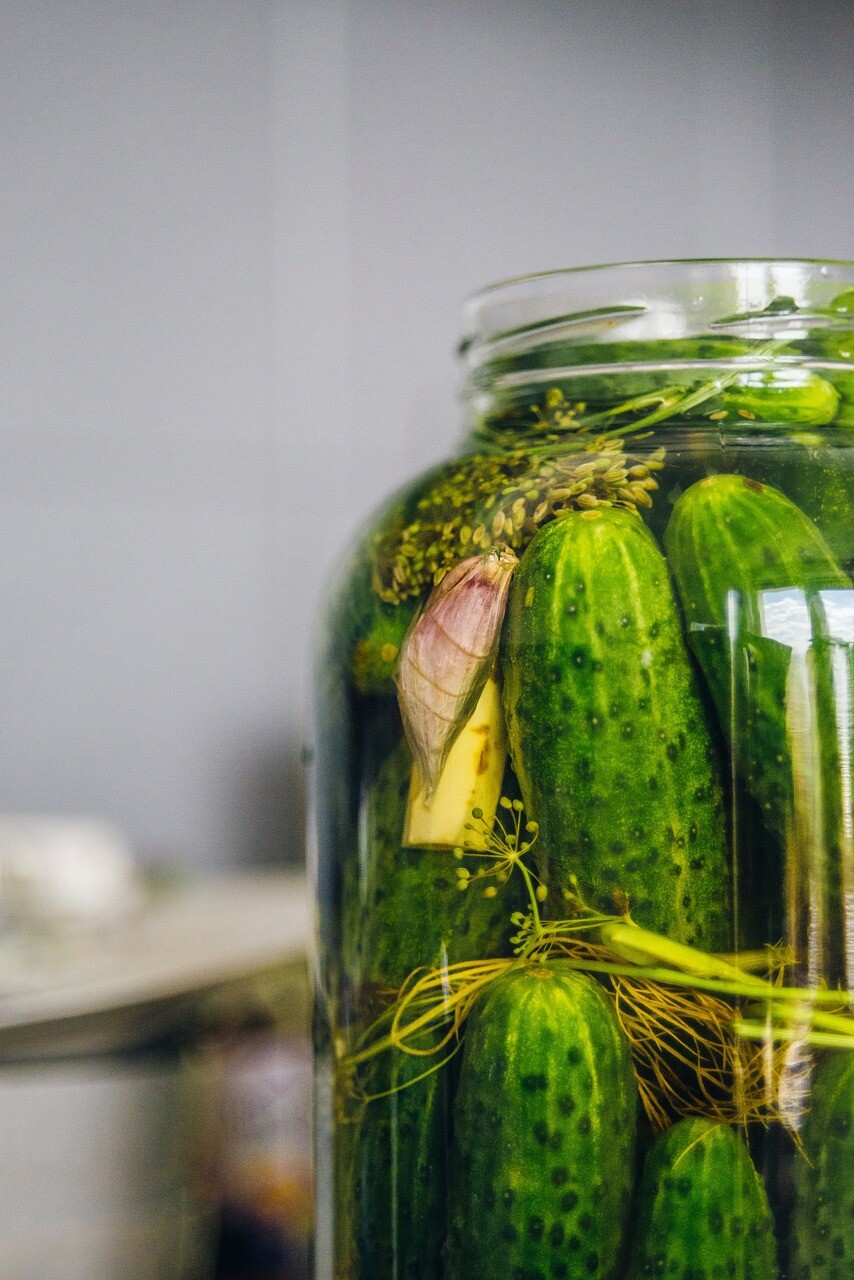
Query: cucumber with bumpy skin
[836, 347]
[394, 1161]
[542, 1165]
[762, 594]
[749, 567]
[783, 397]
[607, 732]
[402, 907]
[816, 471]
[377, 650]
[702, 1209]
[822, 1231]
[402, 910]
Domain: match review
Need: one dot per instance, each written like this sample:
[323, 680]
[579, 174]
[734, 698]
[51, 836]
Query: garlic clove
[448, 653]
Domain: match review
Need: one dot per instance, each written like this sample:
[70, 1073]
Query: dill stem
[759, 961]
[640, 945]
[820, 1039]
[749, 989]
[532, 895]
[671, 400]
[803, 1014]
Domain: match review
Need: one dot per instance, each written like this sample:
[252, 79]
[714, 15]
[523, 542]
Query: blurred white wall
[234, 239]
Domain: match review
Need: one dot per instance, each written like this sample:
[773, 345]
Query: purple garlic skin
[448, 653]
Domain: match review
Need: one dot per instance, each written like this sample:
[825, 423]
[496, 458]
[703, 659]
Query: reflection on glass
[586, 870]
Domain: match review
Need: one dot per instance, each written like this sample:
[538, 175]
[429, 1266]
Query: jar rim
[659, 298]
[555, 273]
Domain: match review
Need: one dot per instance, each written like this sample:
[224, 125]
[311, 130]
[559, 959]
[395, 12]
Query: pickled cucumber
[402, 909]
[607, 731]
[543, 1159]
[767, 614]
[394, 1158]
[822, 1228]
[702, 1209]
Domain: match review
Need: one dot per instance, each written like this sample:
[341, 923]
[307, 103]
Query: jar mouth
[657, 299]
[604, 337]
[648, 264]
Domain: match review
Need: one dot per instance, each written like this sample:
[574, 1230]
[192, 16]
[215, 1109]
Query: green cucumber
[370, 631]
[822, 1227]
[545, 1117]
[602, 375]
[843, 303]
[376, 651]
[394, 1160]
[816, 472]
[784, 397]
[702, 1209]
[758, 586]
[733, 543]
[402, 910]
[607, 732]
[836, 347]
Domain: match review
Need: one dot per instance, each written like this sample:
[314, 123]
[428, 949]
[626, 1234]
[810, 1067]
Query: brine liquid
[774, 679]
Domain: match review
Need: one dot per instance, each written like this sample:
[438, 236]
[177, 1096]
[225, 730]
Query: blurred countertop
[197, 959]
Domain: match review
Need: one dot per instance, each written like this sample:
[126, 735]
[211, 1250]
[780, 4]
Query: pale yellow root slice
[470, 779]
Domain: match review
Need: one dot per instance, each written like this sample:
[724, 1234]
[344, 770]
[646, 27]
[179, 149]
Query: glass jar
[583, 793]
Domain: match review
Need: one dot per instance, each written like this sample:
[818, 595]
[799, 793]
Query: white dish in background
[66, 871]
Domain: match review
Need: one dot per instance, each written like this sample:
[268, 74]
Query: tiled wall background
[234, 237]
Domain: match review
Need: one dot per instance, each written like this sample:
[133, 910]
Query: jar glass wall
[584, 828]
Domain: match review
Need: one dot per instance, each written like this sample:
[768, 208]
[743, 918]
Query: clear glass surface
[584, 828]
